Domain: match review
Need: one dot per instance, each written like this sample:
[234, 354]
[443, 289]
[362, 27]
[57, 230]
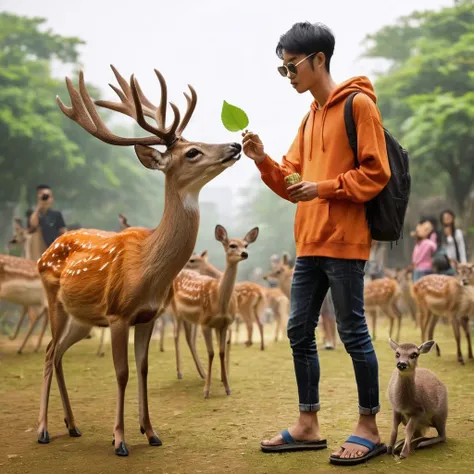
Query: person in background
[424, 250]
[451, 238]
[376, 263]
[49, 221]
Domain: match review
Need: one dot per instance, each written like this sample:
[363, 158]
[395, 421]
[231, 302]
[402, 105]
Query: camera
[45, 197]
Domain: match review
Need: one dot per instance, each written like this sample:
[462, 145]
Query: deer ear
[151, 158]
[251, 236]
[204, 255]
[221, 234]
[285, 259]
[393, 344]
[426, 347]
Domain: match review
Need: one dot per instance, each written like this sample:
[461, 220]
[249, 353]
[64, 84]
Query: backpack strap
[351, 128]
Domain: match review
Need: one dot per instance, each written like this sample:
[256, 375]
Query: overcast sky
[225, 49]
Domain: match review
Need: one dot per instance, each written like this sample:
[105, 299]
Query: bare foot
[298, 432]
[367, 429]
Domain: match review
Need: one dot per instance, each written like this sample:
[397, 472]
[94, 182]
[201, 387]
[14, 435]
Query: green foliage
[233, 118]
[92, 181]
[425, 95]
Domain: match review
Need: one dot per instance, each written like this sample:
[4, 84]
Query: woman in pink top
[424, 249]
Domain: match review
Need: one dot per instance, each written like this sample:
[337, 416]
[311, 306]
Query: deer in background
[283, 275]
[212, 303]
[383, 294]
[251, 297]
[20, 284]
[404, 277]
[448, 297]
[119, 280]
[279, 304]
[33, 246]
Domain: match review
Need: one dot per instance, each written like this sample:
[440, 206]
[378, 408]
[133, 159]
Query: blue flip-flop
[290, 444]
[374, 450]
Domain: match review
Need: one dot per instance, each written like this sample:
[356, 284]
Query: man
[50, 222]
[331, 233]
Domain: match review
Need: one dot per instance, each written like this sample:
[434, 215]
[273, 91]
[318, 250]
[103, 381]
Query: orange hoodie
[334, 224]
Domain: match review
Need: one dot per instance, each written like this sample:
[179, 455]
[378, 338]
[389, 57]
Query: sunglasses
[289, 69]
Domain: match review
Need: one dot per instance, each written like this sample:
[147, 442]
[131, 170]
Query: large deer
[119, 280]
[449, 297]
[383, 294]
[212, 303]
[32, 246]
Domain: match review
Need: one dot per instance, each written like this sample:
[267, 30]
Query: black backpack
[385, 212]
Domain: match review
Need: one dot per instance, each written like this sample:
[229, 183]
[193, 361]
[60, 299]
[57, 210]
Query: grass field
[221, 434]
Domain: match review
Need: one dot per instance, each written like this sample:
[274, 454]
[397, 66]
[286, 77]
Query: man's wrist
[260, 159]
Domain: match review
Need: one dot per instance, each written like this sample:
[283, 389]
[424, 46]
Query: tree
[425, 95]
[92, 181]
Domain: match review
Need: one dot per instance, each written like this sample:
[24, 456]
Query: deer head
[197, 262]
[465, 273]
[407, 355]
[281, 272]
[190, 165]
[20, 234]
[235, 249]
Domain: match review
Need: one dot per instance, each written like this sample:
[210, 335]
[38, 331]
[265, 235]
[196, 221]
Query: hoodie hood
[340, 93]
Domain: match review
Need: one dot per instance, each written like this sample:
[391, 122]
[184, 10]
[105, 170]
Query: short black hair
[40, 187]
[306, 38]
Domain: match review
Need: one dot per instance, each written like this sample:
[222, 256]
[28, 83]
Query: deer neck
[212, 271]
[406, 386]
[170, 245]
[226, 286]
[34, 246]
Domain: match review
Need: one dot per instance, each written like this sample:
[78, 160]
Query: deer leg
[222, 333]
[190, 331]
[100, 350]
[457, 336]
[207, 333]
[433, 322]
[177, 330]
[397, 314]
[396, 420]
[227, 349]
[74, 333]
[44, 314]
[162, 323]
[260, 328]
[143, 334]
[119, 330]
[409, 432]
[465, 326]
[439, 423]
[277, 316]
[30, 331]
[58, 321]
[20, 323]
[237, 329]
[249, 324]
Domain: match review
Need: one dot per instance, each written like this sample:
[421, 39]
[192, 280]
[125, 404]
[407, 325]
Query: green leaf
[233, 118]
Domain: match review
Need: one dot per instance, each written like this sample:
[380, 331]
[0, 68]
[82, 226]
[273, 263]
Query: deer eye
[397, 355]
[414, 355]
[232, 246]
[192, 261]
[192, 153]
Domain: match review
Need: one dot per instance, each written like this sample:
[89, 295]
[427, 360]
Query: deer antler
[134, 104]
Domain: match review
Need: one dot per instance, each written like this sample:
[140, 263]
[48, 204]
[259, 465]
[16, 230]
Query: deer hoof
[161, 349]
[43, 437]
[142, 430]
[122, 449]
[74, 432]
[180, 376]
[154, 440]
[206, 394]
[228, 391]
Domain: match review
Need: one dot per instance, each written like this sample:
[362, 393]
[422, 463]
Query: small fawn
[419, 400]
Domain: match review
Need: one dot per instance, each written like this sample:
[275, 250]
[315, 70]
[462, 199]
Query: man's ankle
[308, 420]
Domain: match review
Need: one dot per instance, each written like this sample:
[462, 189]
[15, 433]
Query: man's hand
[303, 191]
[253, 147]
